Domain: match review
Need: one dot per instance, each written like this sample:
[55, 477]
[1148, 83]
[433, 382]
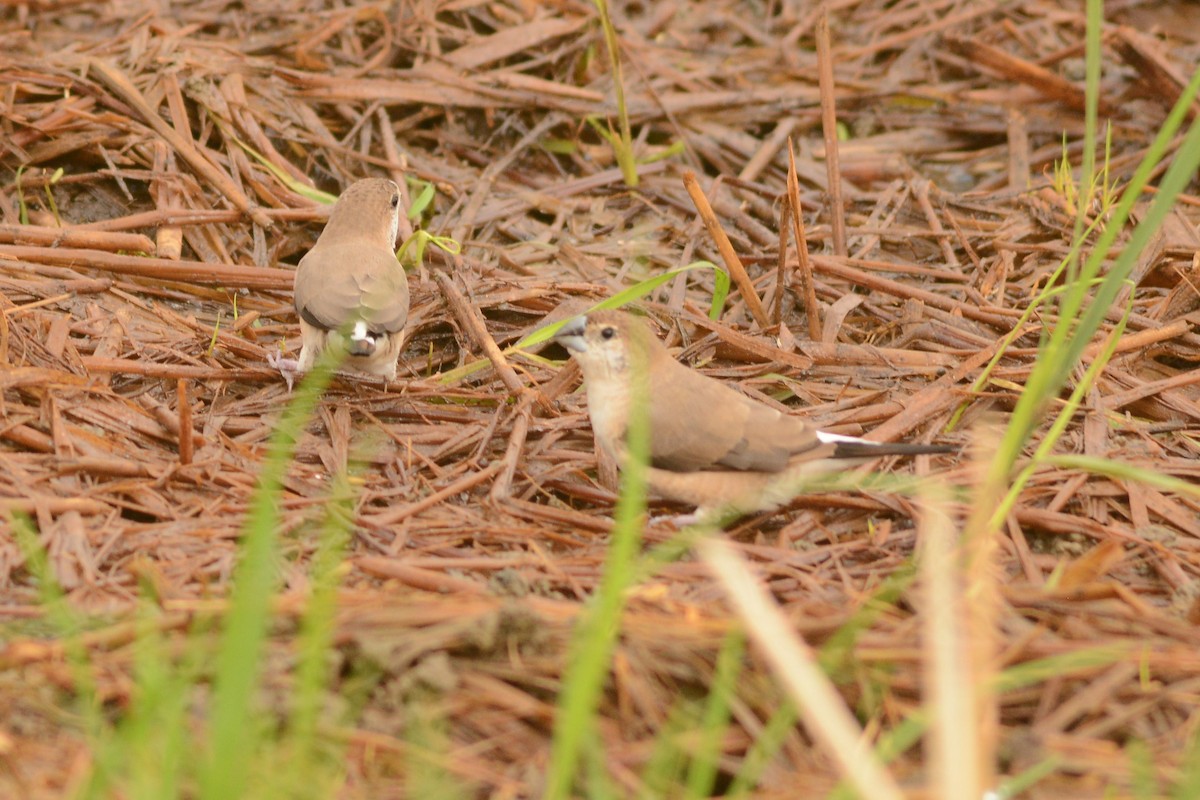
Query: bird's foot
[289, 368]
[679, 521]
[705, 516]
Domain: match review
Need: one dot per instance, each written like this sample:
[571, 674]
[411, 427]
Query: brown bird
[349, 287]
[710, 445]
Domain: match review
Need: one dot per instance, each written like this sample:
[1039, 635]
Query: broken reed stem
[168, 239]
[502, 486]
[185, 422]
[76, 237]
[230, 276]
[781, 267]
[837, 206]
[396, 168]
[808, 290]
[474, 327]
[734, 264]
[129, 366]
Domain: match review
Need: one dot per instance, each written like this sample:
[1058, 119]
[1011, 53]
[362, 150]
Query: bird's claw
[289, 368]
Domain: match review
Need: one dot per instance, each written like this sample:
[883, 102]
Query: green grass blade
[891, 745]
[702, 772]
[621, 298]
[315, 642]
[596, 631]
[302, 189]
[1142, 778]
[233, 728]
[1064, 665]
[622, 146]
[1073, 333]
[765, 747]
[664, 768]
[69, 626]
[1019, 784]
[1061, 421]
[151, 741]
[1127, 472]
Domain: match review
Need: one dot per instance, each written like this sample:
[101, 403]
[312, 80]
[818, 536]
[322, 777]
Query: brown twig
[230, 275]
[474, 327]
[42, 236]
[185, 422]
[796, 211]
[837, 206]
[725, 247]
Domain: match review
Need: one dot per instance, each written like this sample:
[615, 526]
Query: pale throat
[608, 407]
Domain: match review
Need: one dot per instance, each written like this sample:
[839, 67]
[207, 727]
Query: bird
[350, 289]
[710, 446]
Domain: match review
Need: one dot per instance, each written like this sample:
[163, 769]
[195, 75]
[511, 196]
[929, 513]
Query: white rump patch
[834, 438]
[360, 332]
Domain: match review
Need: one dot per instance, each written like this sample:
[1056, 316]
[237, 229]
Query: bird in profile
[350, 289]
[710, 446]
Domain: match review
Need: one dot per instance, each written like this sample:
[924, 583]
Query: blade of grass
[623, 148]
[233, 729]
[152, 739]
[1061, 421]
[891, 745]
[702, 772]
[764, 749]
[1143, 781]
[599, 785]
[312, 767]
[302, 189]
[596, 631]
[664, 768]
[621, 298]
[1019, 784]
[428, 746]
[1073, 333]
[69, 626]
[1123, 471]
[1062, 665]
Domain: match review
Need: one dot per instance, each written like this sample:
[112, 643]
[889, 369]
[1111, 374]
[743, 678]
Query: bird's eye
[608, 332]
[395, 200]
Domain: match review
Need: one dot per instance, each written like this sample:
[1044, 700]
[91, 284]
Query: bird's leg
[715, 516]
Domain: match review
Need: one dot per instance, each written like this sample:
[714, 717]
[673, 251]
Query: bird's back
[708, 425]
[341, 282]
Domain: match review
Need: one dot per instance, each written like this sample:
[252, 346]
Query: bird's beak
[570, 335]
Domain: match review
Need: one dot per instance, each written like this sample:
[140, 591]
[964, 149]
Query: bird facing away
[710, 445]
[350, 288]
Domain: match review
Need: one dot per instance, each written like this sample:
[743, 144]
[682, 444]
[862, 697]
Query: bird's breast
[608, 408]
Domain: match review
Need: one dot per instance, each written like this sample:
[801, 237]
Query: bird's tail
[865, 449]
[362, 341]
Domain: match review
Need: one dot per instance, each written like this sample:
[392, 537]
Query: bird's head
[370, 210]
[607, 344]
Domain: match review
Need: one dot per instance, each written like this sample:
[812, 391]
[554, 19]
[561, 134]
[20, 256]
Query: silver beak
[570, 335]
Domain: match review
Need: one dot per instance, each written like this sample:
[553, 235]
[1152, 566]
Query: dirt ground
[154, 276]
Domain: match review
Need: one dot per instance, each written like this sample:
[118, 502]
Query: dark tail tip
[874, 450]
[362, 347]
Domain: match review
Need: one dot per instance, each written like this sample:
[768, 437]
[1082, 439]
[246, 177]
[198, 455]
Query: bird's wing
[700, 423]
[342, 283]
